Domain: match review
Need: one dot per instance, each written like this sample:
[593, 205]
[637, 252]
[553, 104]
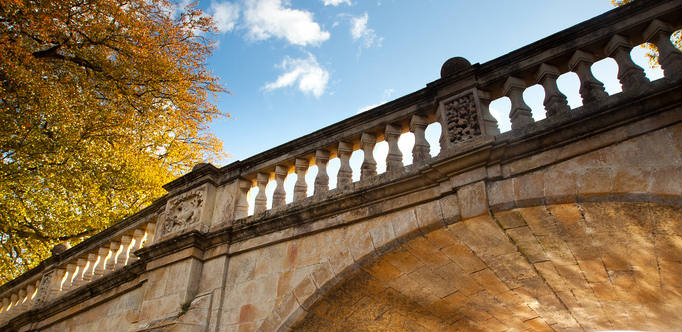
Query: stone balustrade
[87, 262]
[460, 103]
[209, 198]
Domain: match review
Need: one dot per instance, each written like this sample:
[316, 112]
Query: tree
[102, 102]
[676, 38]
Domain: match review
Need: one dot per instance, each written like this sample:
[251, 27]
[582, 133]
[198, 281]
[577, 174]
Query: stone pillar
[279, 197]
[345, 176]
[630, 75]
[555, 102]
[261, 200]
[489, 122]
[369, 166]
[322, 179]
[241, 208]
[394, 159]
[301, 187]
[421, 149]
[520, 113]
[669, 57]
[590, 88]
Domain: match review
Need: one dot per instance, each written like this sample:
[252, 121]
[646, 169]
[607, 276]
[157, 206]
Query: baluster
[300, 188]
[70, 273]
[104, 255]
[345, 176]
[590, 88]
[279, 196]
[115, 250]
[151, 230]
[138, 236]
[520, 114]
[54, 283]
[28, 301]
[261, 200]
[127, 244]
[394, 159]
[5, 308]
[13, 303]
[421, 149]
[80, 264]
[489, 121]
[125, 250]
[94, 260]
[630, 75]
[369, 166]
[322, 179]
[669, 57]
[21, 299]
[241, 208]
[555, 102]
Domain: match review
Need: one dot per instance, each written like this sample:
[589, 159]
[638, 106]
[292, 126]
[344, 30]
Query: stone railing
[209, 198]
[459, 102]
[89, 261]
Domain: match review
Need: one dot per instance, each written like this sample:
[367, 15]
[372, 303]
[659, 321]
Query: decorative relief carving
[461, 118]
[183, 211]
[44, 289]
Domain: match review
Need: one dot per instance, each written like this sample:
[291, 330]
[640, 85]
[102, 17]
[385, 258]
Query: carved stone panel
[460, 118]
[183, 211]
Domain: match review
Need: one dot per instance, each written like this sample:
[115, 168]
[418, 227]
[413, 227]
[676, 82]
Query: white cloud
[268, 18]
[369, 107]
[336, 2]
[306, 73]
[225, 15]
[359, 30]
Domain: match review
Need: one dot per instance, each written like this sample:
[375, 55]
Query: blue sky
[296, 66]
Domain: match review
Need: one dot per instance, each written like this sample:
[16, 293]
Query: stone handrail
[90, 260]
[209, 198]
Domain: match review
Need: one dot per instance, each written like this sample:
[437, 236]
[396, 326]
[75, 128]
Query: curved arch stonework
[591, 266]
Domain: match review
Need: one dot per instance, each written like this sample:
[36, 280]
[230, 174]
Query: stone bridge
[568, 223]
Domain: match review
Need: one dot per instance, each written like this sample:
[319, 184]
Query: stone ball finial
[60, 248]
[454, 66]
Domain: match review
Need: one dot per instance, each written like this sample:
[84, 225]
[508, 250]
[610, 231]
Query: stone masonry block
[449, 207]
[510, 219]
[429, 215]
[529, 189]
[527, 243]
[560, 185]
[631, 180]
[472, 200]
[595, 181]
[501, 194]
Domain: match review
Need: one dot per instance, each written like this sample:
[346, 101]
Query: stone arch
[532, 278]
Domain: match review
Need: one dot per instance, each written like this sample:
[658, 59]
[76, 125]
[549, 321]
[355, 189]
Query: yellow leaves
[101, 105]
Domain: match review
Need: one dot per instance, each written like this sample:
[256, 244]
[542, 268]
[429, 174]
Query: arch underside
[582, 266]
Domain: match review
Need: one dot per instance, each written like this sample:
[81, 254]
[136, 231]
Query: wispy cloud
[335, 2]
[265, 19]
[387, 95]
[225, 15]
[304, 73]
[360, 31]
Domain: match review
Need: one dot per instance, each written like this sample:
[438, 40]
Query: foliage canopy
[102, 102]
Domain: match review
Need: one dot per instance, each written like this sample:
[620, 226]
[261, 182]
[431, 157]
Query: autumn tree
[652, 53]
[102, 102]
